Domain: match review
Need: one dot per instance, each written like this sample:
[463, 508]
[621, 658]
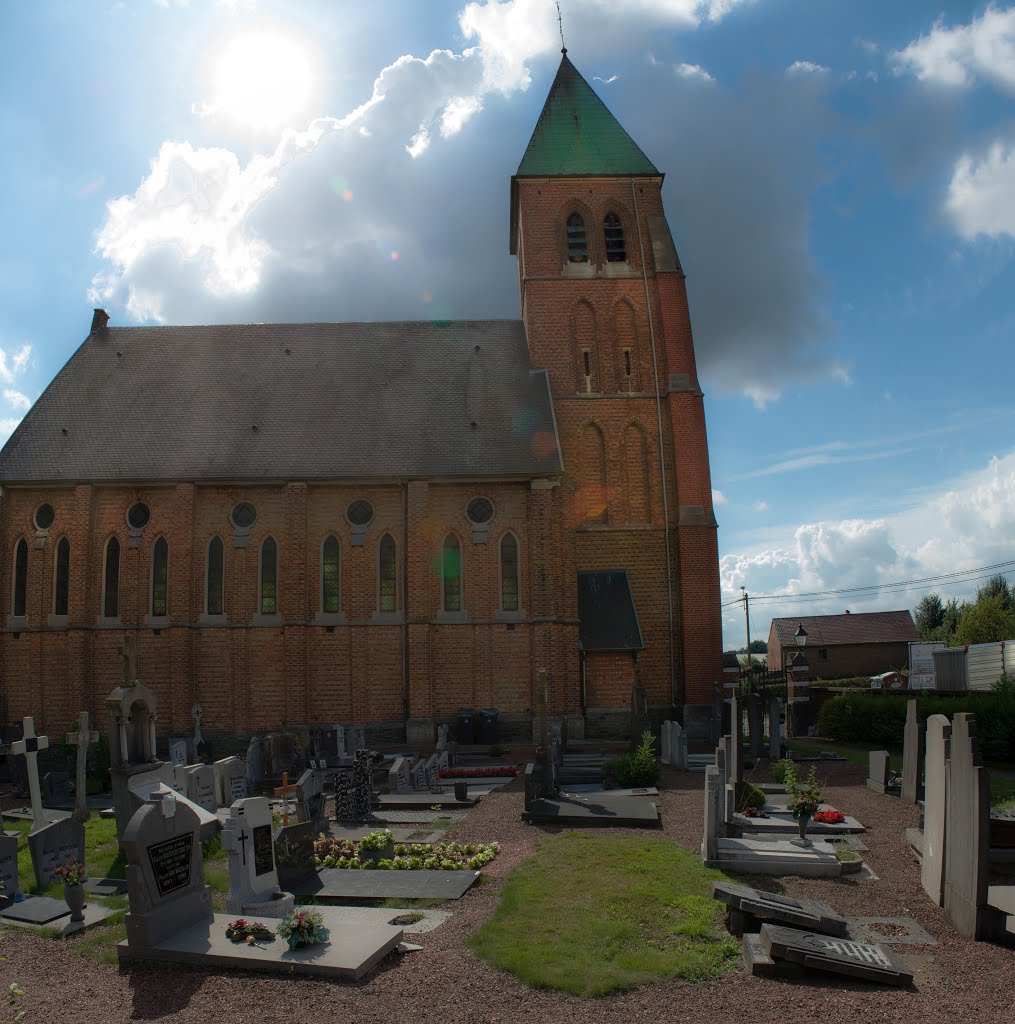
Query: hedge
[877, 719]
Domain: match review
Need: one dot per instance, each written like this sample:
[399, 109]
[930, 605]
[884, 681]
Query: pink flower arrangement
[73, 872]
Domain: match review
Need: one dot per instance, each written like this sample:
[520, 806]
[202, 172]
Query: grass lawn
[104, 859]
[592, 914]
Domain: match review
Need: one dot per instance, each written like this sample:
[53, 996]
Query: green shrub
[753, 797]
[778, 769]
[637, 770]
[881, 719]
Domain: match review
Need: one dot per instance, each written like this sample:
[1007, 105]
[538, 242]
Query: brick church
[382, 523]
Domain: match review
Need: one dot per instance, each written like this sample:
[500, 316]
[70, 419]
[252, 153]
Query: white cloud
[761, 506]
[17, 400]
[12, 366]
[605, 81]
[957, 56]
[7, 426]
[806, 67]
[981, 194]
[718, 498]
[693, 71]
[965, 524]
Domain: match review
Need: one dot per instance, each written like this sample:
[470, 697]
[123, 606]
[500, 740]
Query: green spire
[576, 135]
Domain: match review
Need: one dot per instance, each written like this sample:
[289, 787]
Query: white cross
[81, 739]
[30, 745]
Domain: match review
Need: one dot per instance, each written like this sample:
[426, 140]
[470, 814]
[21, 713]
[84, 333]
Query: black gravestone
[171, 863]
[865, 961]
[748, 909]
[294, 855]
[264, 860]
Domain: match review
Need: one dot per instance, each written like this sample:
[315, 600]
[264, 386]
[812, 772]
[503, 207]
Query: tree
[759, 647]
[985, 622]
[930, 615]
[997, 586]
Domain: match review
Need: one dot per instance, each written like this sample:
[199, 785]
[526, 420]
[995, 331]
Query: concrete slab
[585, 790]
[902, 930]
[356, 916]
[773, 856]
[349, 953]
[381, 819]
[95, 913]
[420, 801]
[341, 884]
[780, 822]
[106, 886]
[36, 910]
[584, 810]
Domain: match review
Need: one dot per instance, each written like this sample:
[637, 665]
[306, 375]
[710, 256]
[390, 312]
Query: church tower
[605, 310]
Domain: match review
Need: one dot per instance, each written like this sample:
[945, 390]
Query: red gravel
[957, 980]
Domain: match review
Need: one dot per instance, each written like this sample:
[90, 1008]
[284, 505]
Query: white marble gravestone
[430, 771]
[418, 775]
[178, 751]
[53, 846]
[253, 880]
[230, 781]
[200, 781]
[932, 867]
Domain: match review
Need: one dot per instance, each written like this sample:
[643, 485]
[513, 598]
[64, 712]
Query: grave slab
[758, 963]
[54, 845]
[897, 930]
[37, 910]
[775, 856]
[106, 886]
[350, 952]
[418, 801]
[338, 884]
[594, 810]
[756, 907]
[781, 822]
[863, 961]
[94, 913]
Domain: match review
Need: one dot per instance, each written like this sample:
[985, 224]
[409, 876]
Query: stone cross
[129, 654]
[285, 791]
[82, 738]
[30, 745]
[198, 738]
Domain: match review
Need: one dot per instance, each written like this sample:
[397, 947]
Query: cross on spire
[560, 27]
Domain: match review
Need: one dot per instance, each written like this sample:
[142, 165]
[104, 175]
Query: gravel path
[959, 981]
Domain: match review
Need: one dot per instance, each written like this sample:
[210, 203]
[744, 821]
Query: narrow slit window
[577, 243]
[269, 577]
[587, 362]
[627, 362]
[330, 576]
[61, 583]
[451, 573]
[616, 252]
[160, 578]
[111, 580]
[386, 578]
[215, 579]
[21, 578]
[509, 573]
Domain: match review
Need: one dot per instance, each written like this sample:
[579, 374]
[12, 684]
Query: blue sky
[840, 182]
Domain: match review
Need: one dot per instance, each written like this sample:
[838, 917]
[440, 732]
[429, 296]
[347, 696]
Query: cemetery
[719, 864]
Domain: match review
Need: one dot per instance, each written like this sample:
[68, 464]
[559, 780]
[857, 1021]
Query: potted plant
[804, 797]
[304, 926]
[377, 846]
[74, 874]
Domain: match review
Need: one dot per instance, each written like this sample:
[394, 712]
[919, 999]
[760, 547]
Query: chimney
[99, 320]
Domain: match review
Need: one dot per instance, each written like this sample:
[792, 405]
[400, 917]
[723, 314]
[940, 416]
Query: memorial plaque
[867, 961]
[264, 860]
[171, 863]
[8, 869]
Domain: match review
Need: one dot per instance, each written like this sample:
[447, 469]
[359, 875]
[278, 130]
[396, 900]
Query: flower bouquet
[829, 817]
[242, 930]
[72, 873]
[303, 927]
[804, 797]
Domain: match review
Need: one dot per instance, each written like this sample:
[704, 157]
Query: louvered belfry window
[613, 230]
[577, 243]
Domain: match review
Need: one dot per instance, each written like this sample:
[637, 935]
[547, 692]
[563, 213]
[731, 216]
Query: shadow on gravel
[161, 992]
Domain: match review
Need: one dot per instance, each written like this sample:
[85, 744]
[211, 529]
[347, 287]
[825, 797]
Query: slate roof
[850, 628]
[577, 135]
[607, 619]
[380, 400]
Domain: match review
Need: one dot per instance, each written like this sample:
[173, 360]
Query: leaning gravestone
[53, 846]
[865, 961]
[230, 781]
[747, 909]
[8, 869]
[294, 856]
[877, 771]
[165, 874]
[912, 754]
[310, 799]
[932, 873]
[200, 781]
[399, 780]
[253, 881]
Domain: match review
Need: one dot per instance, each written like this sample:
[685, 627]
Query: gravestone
[664, 742]
[877, 771]
[430, 771]
[165, 872]
[29, 745]
[359, 738]
[56, 788]
[363, 788]
[294, 856]
[756, 724]
[399, 780]
[345, 805]
[443, 761]
[8, 869]
[253, 881]
[932, 866]
[82, 738]
[178, 751]
[230, 781]
[255, 764]
[678, 747]
[774, 729]
[735, 753]
[714, 797]
[200, 783]
[967, 832]
[310, 800]
[199, 744]
[865, 961]
[53, 846]
[748, 909]
[343, 750]
[912, 754]
[419, 775]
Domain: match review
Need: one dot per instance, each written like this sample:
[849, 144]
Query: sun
[262, 81]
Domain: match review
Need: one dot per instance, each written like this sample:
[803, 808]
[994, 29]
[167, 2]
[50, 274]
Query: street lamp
[800, 636]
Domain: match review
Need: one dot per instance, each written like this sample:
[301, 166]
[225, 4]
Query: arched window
[111, 579]
[269, 577]
[577, 243]
[451, 573]
[20, 578]
[614, 232]
[331, 576]
[214, 579]
[387, 590]
[509, 573]
[61, 580]
[160, 578]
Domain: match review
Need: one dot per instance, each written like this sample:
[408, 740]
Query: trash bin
[488, 725]
[465, 726]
